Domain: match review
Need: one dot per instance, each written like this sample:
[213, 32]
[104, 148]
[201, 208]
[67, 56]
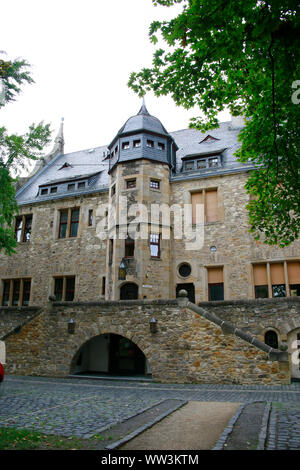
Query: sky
[81, 55]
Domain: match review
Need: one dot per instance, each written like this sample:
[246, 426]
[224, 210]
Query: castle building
[143, 218]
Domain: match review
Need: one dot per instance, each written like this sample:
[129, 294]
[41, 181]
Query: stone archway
[294, 349]
[129, 291]
[110, 354]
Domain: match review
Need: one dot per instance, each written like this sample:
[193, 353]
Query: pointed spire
[143, 109]
[59, 139]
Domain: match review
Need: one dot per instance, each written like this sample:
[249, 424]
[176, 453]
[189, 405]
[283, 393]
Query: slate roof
[93, 164]
[84, 164]
[143, 121]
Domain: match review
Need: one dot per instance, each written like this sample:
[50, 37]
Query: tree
[243, 55]
[15, 150]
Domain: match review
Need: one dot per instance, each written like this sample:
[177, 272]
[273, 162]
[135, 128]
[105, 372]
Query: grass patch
[12, 438]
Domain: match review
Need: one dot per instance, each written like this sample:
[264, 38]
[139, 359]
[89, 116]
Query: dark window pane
[53, 190]
[58, 288]
[185, 270]
[129, 248]
[44, 191]
[150, 143]
[216, 291]
[16, 292]
[295, 289]
[71, 187]
[161, 146]
[279, 290]
[26, 292]
[74, 222]
[271, 339]
[6, 288]
[261, 292]
[70, 288]
[90, 217]
[81, 185]
[130, 184]
[136, 143]
[63, 224]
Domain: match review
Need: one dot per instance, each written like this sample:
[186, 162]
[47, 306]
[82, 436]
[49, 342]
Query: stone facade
[187, 347]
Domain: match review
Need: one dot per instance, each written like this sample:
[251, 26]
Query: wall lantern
[71, 326]
[122, 270]
[153, 325]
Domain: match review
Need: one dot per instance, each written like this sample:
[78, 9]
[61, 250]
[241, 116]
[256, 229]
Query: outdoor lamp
[71, 326]
[122, 270]
[153, 325]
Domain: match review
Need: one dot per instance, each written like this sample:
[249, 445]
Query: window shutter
[215, 275]
[277, 273]
[211, 200]
[294, 273]
[260, 275]
[196, 199]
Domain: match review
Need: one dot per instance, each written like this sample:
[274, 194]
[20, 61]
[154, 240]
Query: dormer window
[65, 165]
[189, 166]
[81, 185]
[161, 146]
[201, 163]
[213, 162]
[71, 187]
[44, 191]
[136, 143]
[53, 190]
[208, 138]
[150, 143]
[125, 145]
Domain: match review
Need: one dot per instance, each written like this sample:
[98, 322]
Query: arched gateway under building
[110, 354]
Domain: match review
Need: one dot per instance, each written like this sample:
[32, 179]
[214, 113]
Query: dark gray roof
[190, 143]
[83, 164]
[143, 121]
[92, 164]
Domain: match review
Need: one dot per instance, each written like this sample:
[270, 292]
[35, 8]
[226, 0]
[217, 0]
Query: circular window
[185, 270]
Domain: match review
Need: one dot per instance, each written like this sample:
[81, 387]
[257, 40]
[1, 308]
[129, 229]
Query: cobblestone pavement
[84, 407]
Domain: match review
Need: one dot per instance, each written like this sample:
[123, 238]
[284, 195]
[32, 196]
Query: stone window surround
[64, 277]
[155, 180]
[225, 280]
[23, 233]
[15, 278]
[56, 224]
[268, 263]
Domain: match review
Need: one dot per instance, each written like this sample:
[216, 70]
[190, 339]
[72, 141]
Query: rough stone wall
[12, 317]
[236, 247]
[186, 348]
[259, 315]
[46, 255]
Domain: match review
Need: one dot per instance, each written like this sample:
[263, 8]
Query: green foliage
[15, 150]
[243, 55]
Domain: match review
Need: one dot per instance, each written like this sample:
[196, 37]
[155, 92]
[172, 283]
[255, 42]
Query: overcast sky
[82, 53]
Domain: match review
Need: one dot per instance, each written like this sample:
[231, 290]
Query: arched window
[129, 291]
[271, 339]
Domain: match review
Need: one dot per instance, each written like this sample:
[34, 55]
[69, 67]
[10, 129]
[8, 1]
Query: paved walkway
[82, 407]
